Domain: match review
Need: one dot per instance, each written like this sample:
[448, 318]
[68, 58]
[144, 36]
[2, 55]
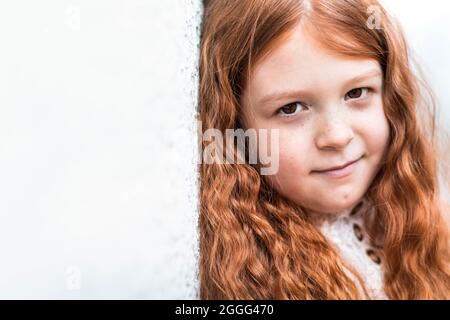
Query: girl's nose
[334, 132]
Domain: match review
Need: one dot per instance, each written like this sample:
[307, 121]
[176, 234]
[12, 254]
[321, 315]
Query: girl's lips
[340, 173]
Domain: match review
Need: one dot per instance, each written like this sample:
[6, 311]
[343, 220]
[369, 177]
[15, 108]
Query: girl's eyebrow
[279, 95]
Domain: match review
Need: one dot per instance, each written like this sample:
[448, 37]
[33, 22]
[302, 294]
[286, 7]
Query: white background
[97, 184]
[98, 194]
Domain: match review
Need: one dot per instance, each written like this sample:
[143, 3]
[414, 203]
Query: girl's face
[329, 111]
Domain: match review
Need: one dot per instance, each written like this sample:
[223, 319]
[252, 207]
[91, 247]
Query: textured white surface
[97, 149]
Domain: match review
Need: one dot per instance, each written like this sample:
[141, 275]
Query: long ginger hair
[257, 244]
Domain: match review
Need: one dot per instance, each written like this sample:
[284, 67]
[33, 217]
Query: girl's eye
[358, 93]
[290, 109]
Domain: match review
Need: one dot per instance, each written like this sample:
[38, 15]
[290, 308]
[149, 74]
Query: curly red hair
[256, 244]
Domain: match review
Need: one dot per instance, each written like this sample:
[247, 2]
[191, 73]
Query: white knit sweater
[345, 230]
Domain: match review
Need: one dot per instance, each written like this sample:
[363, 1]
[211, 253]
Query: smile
[342, 172]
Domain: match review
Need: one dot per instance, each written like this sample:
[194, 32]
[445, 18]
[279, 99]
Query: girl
[354, 210]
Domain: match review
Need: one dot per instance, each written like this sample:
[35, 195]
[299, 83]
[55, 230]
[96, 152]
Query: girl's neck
[318, 218]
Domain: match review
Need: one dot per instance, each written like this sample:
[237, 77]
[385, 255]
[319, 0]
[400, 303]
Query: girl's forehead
[309, 75]
[301, 49]
[303, 59]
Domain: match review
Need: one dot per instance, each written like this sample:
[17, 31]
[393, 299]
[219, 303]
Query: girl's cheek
[376, 129]
[293, 155]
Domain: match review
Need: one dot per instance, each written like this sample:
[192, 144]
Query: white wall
[97, 143]
[97, 146]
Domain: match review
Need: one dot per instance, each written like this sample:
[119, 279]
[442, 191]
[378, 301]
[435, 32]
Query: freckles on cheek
[292, 163]
[294, 148]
